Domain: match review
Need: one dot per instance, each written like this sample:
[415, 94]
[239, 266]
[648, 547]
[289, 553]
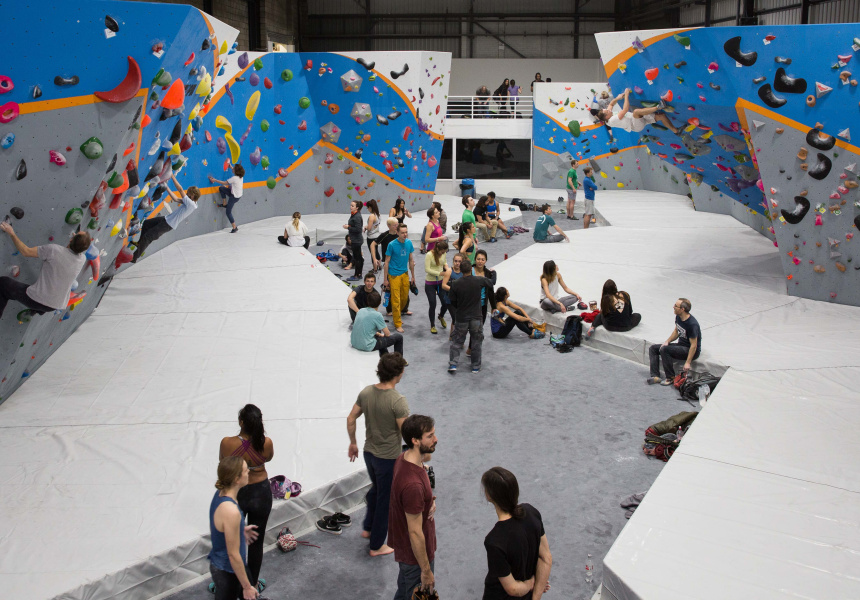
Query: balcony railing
[475, 107]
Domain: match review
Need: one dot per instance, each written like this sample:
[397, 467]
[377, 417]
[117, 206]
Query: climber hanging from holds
[59, 269]
[636, 119]
[156, 227]
[231, 192]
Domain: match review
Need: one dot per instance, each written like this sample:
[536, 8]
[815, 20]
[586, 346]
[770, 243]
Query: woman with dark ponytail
[255, 499]
[518, 556]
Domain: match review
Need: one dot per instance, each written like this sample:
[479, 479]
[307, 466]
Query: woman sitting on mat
[616, 311]
[508, 315]
[550, 281]
[296, 233]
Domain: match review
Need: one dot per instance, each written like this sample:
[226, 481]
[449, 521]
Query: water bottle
[387, 300]
[589, 570]
[680, 433]
[704, 392]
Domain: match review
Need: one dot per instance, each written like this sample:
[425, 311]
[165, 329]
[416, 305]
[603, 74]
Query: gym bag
[689, 389]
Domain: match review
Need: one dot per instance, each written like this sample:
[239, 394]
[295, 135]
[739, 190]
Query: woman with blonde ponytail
[296, 233]
[229, 533]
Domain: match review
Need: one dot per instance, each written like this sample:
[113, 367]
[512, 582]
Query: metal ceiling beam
[507, 45]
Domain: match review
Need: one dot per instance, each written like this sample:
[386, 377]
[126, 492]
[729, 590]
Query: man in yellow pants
[398, 258]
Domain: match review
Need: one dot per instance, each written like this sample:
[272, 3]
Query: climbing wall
[765, 134]
[126, 94]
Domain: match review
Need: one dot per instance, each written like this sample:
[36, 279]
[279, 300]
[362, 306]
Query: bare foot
[365, 534]
[383, 550]
[400, 330]
[408, 313]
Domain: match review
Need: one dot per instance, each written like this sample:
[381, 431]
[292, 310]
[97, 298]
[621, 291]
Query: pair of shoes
[653, 380]
[476, 370]
[633, 500]
[334, 524]
[354, 278]
[452, 369]
[261, 585]
[492, 240]
[538, 334]
[575, 218]
[433, 330]
[234, 230]
[442, 322]
[667, 382]
[508, 236]
[468, 352]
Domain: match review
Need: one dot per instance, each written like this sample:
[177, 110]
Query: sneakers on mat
[433, 330]
[329, 525]
[653, 380]
[452, 369]
[342, 519]
[442, 322]
[538, 334]
[354, 278]
[667, 382]
[476, 370]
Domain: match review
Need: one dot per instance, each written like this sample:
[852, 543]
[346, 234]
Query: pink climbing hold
[9, 112]
[713, 67]
[329, 158]
[57, 158]
[796, 260]
[125, 255]
[819, 220]
[6, 84]
[303, 125]
[431, 162]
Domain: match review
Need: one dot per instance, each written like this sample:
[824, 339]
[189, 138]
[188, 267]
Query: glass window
[445, 164]
[493, 159]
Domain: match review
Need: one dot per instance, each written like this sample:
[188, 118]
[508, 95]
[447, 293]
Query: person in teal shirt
[572, 184]
[369, 331]
[544, 222]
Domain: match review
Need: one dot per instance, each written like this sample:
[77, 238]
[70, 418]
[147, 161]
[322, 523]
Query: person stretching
[616, 311]
[435, 266]
[228, 532]
[255, 498]
[296, 233]
[637, 119]
[384, 410]
[356, 239]
[550, 280]
[465, 297]
[156, 227]
[59, 270]
[689, 346]
[369, 331]
[544, 222]
[516, 317]
[231, 191]
[357, 298]
[399, 259]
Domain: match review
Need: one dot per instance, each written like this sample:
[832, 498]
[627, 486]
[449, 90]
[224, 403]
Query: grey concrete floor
[570, 426]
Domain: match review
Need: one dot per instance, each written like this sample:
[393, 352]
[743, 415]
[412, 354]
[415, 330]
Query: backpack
[519, 203]
[661, 439]
[572, 331]
[689, 389]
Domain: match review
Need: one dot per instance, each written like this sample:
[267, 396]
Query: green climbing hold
[683, 40]
[162, 78]
[25, 316]
[153, 97]
[271, 183]
[74, 216]
[265, 162]
[287, 75]
[93, 223]
[574, 129]
[674, 179]
[115, 180]
[264, 125]
[258, 64]
[304, 102]
[92, 148]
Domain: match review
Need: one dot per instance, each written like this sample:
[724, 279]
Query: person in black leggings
[616, 311]
[435, 266]
[356, 238]
[508, 315]
[255, 499]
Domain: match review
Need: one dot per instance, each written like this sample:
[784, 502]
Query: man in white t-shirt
[636, 119]
[156, 227]
[59, 269]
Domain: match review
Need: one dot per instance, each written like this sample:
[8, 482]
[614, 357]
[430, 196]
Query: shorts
[589, 207]
[571, 195]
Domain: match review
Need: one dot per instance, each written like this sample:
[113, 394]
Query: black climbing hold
[63, 81]
[240, 79]
[395, 74]
[782, 60]
[205, 45]
[21, 171]
[168, 113]
[680, 64]
[394, 115]
[159, 191]
[822, 169]
[788, 85]
[733, 48]
[714, 86]
[112, 164]
[155, 170]
[789, 177]
[367, 65]
[111, 23]
[613, 150]
[782, 170]
[797, 235]
[715, 188]
[802, 207]
[768, 97]
[421, 93]
[357, 153]
[814, 139]
[758, 80]
[137, 115]
[133, 177]
[189, 89]
[37, 92]
[192, 72]
[17, 212]
[381, 120]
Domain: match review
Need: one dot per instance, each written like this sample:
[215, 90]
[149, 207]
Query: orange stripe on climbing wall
[215, 54]
[741, 103]
[585, 160]
[392, 85]
[564, 125]
[612, 65]
[381, 174]
[60, 103]
[256, 184]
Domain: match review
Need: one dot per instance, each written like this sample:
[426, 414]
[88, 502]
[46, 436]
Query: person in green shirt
[544, 222]
[572, 184]
[469, 217]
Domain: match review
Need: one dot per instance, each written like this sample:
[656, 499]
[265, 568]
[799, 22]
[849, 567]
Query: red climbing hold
[667, 97]
[303, 125]
[9, 112]
[128, 87]
[309, 65]
[185, 142]
[208, 136]
[125, 255]
[330, 190]
[190, 59]
[267, 83]
[278, 109]
[174, 96]
[146, 121]
[129, 150]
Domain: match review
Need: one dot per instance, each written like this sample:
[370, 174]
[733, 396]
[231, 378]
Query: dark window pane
[493, 159]
[445, 163]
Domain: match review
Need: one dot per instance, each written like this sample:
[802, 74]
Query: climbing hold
[17, 212]
[651, 74]
[264, 125]
[683, 40]
[678, 64]
[333, 109]
[304, 102]
[243, 60]
[713, 85]
[367, 65]
[162, 78]
[822, 169]
[9, 112]
[185, 142]
[394, 115]
[111, 25]
[267, 83]
[574, 128]
[235, 151]
[732, 47]
[6, 84]
[818, 268]
[667, 97]
[713, 67]
[258, 63]
[779, 130]
[782, 60]
[254, 79]
[7, 141]
[845, 134]
[21, 171]
[115, 180]
[92, 148]
[768, 97]
[222, 123]
[37, 92]
[329, 192]
[810, 101]
[801, 208]
[790, 85]
[330, 133]
[287, 75]
[757, 124]
[819, 140]
[64, 81]
[303, 125]
[189, 60]
[251, 107]
[381, 120]
[403, 71]
[845, 77]
[821, 89]
[204, 88]
[174, 96]
[758, 80]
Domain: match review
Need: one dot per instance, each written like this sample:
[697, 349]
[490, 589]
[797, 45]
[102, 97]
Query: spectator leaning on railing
[482, 102]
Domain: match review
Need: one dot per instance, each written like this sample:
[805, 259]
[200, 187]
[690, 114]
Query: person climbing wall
[231, 191]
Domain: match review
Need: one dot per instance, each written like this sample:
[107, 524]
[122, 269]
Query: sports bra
[247, 448]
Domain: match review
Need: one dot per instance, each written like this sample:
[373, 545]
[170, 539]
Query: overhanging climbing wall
[765, 134]
[114, 97]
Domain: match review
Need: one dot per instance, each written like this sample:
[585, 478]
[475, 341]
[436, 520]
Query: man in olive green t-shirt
[384, 410]
[572, 184]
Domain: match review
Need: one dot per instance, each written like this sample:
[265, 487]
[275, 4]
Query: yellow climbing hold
[235, 151]
[174, 151]
[194, 111]
[189, 129]
[223, 123]
[253, 103]
[205, 86]
[224, 48]
[617, 168]
[604, 175]
[116, 228]
[621, 185]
